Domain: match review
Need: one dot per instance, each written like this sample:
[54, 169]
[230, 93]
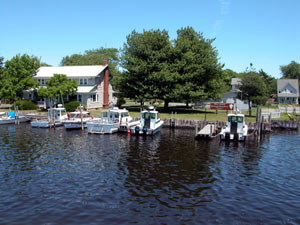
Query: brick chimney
[105, 83]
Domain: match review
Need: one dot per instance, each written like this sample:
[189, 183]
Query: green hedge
[72, 106]
[26, 105]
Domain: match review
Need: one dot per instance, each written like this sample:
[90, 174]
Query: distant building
[94, 89]
[287, 91]
[232, 95]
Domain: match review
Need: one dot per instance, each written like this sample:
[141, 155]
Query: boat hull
[44, 124]
[75, 125]
[233, 137]
[102, 128]
[12, 121]
[138, 130]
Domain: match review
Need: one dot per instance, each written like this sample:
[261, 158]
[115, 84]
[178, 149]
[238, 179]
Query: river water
[70, 177]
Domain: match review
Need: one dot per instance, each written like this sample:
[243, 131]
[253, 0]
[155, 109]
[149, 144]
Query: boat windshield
[236, 119]
[104, 114]
[153, 115]
[146, 115]
[124, 114]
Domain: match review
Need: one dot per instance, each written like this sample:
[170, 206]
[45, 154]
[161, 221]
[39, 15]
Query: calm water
[59, 177]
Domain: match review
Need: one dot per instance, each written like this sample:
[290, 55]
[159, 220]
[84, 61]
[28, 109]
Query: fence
[289, 109]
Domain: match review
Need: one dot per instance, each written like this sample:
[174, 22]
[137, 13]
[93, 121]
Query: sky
[265, 33]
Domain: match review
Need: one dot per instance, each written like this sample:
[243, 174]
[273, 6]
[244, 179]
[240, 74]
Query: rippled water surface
[59, 177]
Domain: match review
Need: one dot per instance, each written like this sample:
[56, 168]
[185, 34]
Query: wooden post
[81, 117]
[205, 114]
[196, 129]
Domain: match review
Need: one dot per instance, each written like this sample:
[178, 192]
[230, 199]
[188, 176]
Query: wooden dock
[207, 132]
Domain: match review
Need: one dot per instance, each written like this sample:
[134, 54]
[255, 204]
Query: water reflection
[54, 176]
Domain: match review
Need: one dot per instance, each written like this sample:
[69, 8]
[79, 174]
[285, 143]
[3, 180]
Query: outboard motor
[227, 136]
[144, 130]
[236, 137]
[137, 130]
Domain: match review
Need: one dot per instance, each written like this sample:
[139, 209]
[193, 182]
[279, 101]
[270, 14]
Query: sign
[221, 106]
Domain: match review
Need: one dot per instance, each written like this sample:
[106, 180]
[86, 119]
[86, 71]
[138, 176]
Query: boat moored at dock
[73, 121]
[111, 121]
[56, 116]
[235, 128]
[150, 123]
[10, 118]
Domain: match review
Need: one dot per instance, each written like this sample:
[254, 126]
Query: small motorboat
[111, 121]
[74, 120]
[150, 123]
[56, 116]
[10, 118]
[235, 128]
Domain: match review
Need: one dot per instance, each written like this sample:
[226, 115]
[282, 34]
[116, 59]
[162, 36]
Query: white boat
[111, 121]
[10, 118]
[55, 118]
[74, 120]
[235, 128]
[150, 123]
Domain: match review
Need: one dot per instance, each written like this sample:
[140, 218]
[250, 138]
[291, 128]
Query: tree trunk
[166, 105]
[187, 104]
[62, 99]
[250, 111]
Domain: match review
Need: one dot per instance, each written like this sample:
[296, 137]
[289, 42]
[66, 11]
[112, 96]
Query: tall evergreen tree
[146, 60]
[197, 64]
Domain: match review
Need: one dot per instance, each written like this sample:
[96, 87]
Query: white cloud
[225, 6]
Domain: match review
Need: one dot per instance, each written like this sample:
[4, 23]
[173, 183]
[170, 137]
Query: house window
[79, 98]
[83, 81]
[93, 98]
[42, 81]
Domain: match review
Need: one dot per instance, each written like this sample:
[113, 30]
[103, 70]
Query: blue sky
[263, 32]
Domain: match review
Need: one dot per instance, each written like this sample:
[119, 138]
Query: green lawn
[184, 113]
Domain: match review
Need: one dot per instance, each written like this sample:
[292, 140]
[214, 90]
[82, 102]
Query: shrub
[26, 105]
[73, 105]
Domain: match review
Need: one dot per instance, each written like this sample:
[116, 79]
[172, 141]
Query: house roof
[69, 71]
[236, 81]
[85, 89]
[282, 83]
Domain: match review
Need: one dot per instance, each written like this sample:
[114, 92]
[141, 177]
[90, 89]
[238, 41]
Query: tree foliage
[95, 57]
[270, 82]
[17, 76]
[291, 71]
[156, 68]
[58, 87]
[197, 63]
[146, 60]
[253, 89]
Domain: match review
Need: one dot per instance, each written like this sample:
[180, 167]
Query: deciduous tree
[95, 57]
[253, 89]
[58, 87]
[17, 76]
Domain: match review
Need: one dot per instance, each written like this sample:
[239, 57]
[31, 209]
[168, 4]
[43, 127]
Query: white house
[232, 95]
[94, 89]
[288, 91]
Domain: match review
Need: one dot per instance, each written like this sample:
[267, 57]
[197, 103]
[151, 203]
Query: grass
[184, 113]
[179, 112]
